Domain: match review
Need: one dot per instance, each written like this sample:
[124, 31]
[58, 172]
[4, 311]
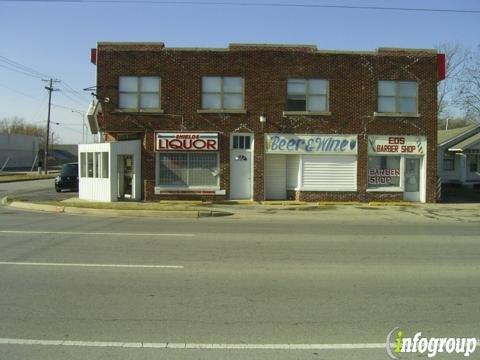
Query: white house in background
[18, 151]
[459, 155]
[110, 171]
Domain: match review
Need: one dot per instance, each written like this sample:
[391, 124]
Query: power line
[28, 71]
[251, 4]
[22, 67]
[19, 92]
[36, 99]
[21, 72]
[70, 89]
[71, 98]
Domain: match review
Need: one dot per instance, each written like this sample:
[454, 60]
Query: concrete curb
[22, 180]
[113, 212]
[386, 203]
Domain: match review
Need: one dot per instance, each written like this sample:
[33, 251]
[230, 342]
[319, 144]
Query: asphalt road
[34, 190]
[344, 276]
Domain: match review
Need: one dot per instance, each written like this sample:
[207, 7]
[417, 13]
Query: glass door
[412, 178]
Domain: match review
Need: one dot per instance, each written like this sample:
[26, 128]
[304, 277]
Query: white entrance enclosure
[110, 171]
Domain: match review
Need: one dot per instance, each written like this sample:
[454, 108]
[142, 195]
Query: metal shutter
[329, 173]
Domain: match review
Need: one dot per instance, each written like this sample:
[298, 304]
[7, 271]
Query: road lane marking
[88, 233]
[192, 346]
[93, 265]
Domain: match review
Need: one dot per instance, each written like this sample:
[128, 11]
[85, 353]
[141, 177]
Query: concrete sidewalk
[249, 209]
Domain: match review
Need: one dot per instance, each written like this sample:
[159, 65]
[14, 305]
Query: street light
[82, 114]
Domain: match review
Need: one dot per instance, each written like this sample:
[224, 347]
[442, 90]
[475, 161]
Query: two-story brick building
[267, 122]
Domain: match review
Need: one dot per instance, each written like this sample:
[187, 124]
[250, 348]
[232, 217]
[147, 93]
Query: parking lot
[37, 190]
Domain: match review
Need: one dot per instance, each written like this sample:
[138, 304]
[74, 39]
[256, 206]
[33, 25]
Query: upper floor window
[397, 97]
[307, 95]
[222, 93]
[139, 92]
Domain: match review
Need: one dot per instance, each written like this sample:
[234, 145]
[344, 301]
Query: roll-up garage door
[329, 173]
[275, 177]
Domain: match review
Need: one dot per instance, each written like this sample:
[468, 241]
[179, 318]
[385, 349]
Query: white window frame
[222, 93]
[307, 95]
[98, 165]
[397, 97]
[176, 187]
[139, 93]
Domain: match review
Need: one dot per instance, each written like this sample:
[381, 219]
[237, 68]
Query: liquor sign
[388, 145]
[310, 144]
[186, 141]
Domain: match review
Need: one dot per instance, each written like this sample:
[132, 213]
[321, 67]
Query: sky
[55, 37]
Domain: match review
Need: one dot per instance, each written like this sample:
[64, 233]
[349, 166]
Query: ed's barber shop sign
[384, 144]
[186, 141]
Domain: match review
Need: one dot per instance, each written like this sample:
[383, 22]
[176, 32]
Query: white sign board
[186, 141]
[310, 144]
[397, 145]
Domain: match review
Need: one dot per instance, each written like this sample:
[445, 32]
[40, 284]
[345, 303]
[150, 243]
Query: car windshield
[69, 170]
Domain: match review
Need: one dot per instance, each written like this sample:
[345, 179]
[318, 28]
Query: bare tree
[17, 125]
[456, 58]
[468, 87]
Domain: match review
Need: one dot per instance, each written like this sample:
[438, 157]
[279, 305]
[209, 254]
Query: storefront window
[188, 170]
[105, 165]
[94, 164]
[90, 165]
[83, 164]
[383, 172]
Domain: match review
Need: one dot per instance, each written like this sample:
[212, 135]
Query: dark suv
[68, 178]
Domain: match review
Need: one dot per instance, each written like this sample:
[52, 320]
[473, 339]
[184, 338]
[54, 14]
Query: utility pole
[82, 114]
[49, 89]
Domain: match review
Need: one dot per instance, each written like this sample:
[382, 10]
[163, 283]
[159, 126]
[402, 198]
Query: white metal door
[412, 178]
[276, 177]
[241, 168]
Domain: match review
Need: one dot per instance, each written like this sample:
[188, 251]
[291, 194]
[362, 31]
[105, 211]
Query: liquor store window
[137, 93]
[188, 170]
[384, 172]
[94, 165]
[307, 95]
[397, 97]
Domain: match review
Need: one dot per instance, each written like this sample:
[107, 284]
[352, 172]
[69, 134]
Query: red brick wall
[352, 79]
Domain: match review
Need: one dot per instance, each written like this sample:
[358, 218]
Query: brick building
[271, 121]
